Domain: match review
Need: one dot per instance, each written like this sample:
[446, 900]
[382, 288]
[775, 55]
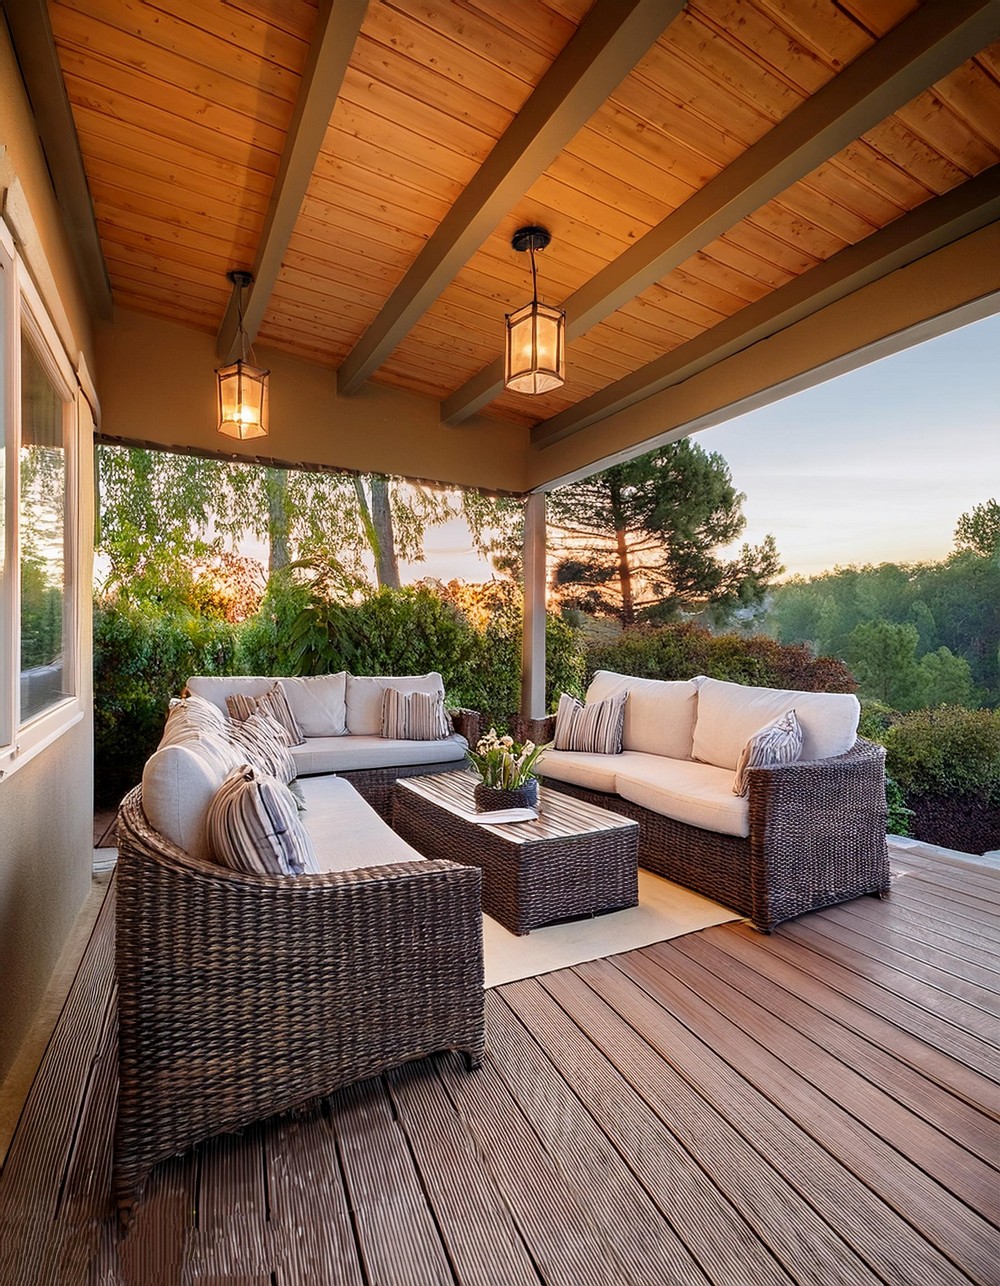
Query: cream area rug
[665, 910]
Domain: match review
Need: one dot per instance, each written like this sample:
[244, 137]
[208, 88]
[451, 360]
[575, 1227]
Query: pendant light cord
[534, 276]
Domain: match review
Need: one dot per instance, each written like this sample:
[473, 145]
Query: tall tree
[978, 531]
[641, 539]
[159, 510]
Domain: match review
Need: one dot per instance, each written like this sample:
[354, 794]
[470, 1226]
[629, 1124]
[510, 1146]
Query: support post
[533, 641]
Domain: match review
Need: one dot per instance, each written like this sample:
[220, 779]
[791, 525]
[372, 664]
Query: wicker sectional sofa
[339, 715]
[808, 834]
[244, 995]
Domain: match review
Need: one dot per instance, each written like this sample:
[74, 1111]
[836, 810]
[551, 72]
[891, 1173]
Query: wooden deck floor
[817, 1106]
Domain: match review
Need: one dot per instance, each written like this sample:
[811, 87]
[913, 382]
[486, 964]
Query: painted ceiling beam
[338, 23]
[934, 224]
[925, 47]
[606, 46]
[35, 46]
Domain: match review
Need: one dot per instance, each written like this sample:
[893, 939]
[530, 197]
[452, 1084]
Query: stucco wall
[46, 805]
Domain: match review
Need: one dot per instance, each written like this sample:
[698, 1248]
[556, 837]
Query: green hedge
[142, 657]
[682, 651]
[946, 751]
[144, 654]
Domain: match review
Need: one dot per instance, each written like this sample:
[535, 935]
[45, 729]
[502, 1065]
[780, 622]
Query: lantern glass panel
[242, 400]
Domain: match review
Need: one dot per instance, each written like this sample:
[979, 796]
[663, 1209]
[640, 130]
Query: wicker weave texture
[242, 996]
[531, 883]
[374, 785]
[817, 837]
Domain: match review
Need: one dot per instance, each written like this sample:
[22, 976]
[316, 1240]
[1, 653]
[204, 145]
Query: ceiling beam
[932, 225]
[35, 47]
[933, 41]
[338, 23]
[605, 47]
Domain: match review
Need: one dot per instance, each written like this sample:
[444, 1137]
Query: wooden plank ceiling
[183, 110]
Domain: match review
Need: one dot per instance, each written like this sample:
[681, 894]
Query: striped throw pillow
[253, 825]
[273, 702]
[265, 743]
[779, 742]
[414, 716]
[595, 729]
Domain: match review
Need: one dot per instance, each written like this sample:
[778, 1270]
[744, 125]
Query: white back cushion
[364, 697]
[178, 785]
[216, 687]
[318, 703]
[730, 713]
[659, 714]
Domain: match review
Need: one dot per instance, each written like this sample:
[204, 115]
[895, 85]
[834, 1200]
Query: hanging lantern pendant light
[535, 351]
[242, 387]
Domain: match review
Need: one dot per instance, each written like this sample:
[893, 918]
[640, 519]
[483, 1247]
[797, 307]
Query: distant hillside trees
[914, 635]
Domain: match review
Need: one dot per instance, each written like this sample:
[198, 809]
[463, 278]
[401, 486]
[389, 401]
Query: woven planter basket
[491, 798]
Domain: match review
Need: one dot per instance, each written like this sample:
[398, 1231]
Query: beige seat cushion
[592, 772]
[698, 794]
[347, 754]
[730, 713]
[659, 715]
[345, 832]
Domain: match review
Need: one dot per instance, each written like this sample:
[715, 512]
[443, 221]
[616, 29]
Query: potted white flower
[504, 766]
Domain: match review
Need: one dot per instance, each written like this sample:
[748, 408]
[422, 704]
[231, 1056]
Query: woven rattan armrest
[817, 832]
[242, 996]
[467, 723]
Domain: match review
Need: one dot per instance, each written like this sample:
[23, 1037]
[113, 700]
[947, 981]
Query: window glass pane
[42, 537]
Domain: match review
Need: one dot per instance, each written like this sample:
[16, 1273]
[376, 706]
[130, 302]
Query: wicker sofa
[808, 834]
[242, 996]
[339, 714]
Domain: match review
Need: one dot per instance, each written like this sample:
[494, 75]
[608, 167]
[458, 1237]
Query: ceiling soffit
[709, 172]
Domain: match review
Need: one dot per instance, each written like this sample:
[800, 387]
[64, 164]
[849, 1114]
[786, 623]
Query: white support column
[533, 643]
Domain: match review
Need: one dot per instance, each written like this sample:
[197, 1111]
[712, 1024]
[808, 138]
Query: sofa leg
[473, 1060]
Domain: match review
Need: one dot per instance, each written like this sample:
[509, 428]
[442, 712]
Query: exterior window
[39, 520]
[42, 509]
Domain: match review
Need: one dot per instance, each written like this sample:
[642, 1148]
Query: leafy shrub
[681, 651]
[265, 642]
[946, 751]
[142, 657]
[414, 630]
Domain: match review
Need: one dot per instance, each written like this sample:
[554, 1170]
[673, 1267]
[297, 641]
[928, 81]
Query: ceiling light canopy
[535, 351]
[242, 386]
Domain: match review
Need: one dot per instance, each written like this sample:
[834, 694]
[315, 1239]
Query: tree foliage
[642, 537]
[949, 611]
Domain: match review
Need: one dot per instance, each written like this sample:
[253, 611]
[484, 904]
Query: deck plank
[395, 1229]
[721, 1201]
[903, 977]
[630, 1218]
[551, 1214]
[815, 1105]
[801, 1037]
[605, 1000]
[484, 1245]
[960, 1233]
[900, 1063]
[312, 1237]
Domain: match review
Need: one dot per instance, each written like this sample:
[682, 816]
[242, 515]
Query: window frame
[21, 306]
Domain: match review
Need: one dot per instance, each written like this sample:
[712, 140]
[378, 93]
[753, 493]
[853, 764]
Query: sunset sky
[873, 466]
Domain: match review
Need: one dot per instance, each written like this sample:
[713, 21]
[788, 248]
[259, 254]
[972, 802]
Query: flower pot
[490, 799]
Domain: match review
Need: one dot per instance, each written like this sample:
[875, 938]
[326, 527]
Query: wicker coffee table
[575, 860]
